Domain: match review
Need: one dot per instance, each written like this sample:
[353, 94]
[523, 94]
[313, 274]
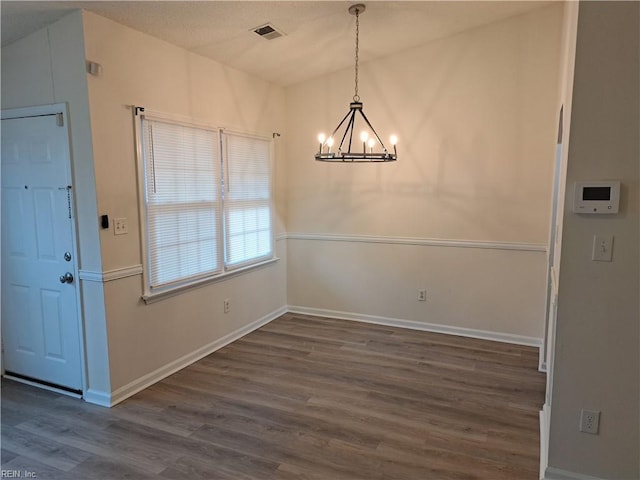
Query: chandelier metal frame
[355, 108]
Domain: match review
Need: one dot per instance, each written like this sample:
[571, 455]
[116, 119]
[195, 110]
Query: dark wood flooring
[301, 398]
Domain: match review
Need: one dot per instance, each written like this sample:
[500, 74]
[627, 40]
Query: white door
[40, 330]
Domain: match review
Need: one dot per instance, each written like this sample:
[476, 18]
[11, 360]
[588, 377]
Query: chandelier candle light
[373, 148]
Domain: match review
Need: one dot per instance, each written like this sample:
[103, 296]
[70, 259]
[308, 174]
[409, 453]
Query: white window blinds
[247, 200]
[207, 209]
[183, 201]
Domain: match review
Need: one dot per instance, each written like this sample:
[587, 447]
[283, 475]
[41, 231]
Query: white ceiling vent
[268, 31]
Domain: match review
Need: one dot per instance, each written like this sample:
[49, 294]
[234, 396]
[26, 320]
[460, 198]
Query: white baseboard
[414, 325]
[149, 379]
[545, 415]
[552, 473]
[97, 397]
[542, 366]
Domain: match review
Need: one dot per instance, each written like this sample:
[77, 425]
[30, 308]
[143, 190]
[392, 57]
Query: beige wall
[140, 70]
[44, 68]
[596, 356]
[476, 118]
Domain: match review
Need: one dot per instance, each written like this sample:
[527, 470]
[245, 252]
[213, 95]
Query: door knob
[66, 278]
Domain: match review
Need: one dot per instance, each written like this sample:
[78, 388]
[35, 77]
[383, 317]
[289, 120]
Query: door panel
[19, 308]
[11, 241]
[43, 204]
[40, 329]
[52, 328]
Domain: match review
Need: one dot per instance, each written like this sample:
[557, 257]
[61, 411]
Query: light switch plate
[602, 248]
[120, 226]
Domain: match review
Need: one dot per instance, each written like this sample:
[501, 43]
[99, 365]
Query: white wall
[44, 68]
[598, 326]
[148, 341]
[476, 118]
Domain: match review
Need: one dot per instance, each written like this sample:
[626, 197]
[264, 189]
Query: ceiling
[319, 35]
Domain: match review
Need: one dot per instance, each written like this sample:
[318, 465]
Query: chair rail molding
[110, 275]
[428, 242]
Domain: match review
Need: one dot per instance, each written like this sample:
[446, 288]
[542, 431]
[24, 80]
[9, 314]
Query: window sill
[162, 294]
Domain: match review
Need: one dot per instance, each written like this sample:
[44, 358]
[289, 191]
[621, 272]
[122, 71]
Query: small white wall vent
[268, 31]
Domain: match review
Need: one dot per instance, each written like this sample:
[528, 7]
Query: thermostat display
[596, 197]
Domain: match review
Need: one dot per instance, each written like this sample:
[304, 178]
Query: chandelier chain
[356, 97]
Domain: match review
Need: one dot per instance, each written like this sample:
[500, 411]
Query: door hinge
[60, 119]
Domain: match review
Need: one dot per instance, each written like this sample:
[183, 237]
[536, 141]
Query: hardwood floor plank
[452, 464]
[47, 451]
[10, 416]
[306, 449]
[97, 442]
[176, 448]
[274, 443]
[162, 420]
[301, 398]
[29, 467]
[6, 455]
[101, 468]
[198, 468]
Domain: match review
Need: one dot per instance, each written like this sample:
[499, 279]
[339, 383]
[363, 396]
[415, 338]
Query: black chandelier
[373, 148]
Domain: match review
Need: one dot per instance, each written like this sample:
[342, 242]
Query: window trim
[152, 295]
[168, 292]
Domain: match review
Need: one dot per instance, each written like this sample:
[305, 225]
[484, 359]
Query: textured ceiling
[319, 34]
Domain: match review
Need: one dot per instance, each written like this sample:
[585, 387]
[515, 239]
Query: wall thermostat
[596, 197]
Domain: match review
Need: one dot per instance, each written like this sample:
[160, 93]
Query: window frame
[152, 294]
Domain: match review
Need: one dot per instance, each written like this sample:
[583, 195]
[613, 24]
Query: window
[207, 209]
[247, 200]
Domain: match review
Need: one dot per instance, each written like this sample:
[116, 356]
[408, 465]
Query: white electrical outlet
[422, 295]
[120, 226]
[227, 305]
[589, 421]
